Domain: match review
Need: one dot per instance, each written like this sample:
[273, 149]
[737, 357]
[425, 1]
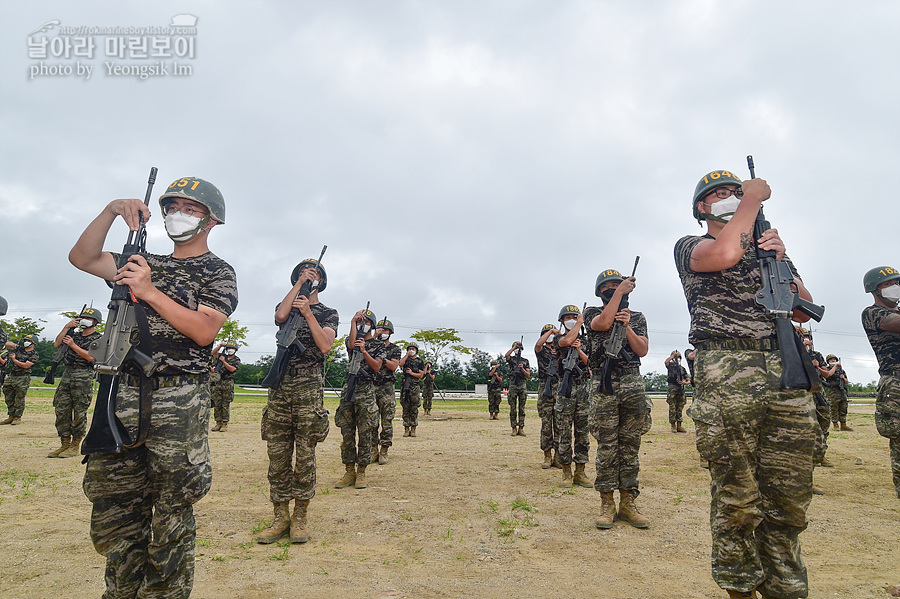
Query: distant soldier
[413, 370]
[427, 388]
[545, 351]
[519, 373]
[384, 393]
[495, 390]
[19, 361]
[356, 414]
[221, 383]
[836, 391]
[75, 390]
[823, 410]
[573, 412]
[881, 322]
[677, 379]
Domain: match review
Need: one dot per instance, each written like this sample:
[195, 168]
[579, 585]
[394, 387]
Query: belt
[173, 380]
[767, 344]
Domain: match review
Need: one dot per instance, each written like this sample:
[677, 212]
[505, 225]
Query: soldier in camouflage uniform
[836, 391]
[357, 413]
[757, 437]
[413, 370]
[295, 418]
[384, 393]
[823, 411]
[19, 361]
[143, 519]
[519, 373]
[676, 378]
[618, 419]
[495, 390]
[427, 389]
[75, 390]
[545, 351]
[221, 383]
[881, 322]
[573, 412]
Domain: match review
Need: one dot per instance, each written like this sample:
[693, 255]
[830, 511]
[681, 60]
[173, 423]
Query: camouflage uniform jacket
[327, 318]
[73, 360]
[415, 364]
[28, 355]
[885, 344]
[579, 374]
[835, 379]
[204, 279]
[377, 350]
[232, 361]
[392, 352]
[676, 373]
[543, 359]
[818, 357]
[514, 362]
[638, 324]
[493, 381]
[428, 381]
[3, 338]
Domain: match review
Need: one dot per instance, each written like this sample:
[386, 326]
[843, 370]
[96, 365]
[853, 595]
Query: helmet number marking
[184, 183]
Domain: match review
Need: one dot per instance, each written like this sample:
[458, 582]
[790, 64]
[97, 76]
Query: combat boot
[217, 427]
[567, 476]
[349, 478]
[629, 512]
[405, 431]
[18, 419]
[63, 443]
[382, 457]
[844, 427]
[674, 429]
[548, 459]
[7, 421]
[580, 479]
[607, 511]
[556, 463]
[224, 427]
[679, 428]
[825, 463]
[72, 450]
[412, 431]
[360, 478]
[375, 455]
[521, 432]
[281, 524]
[299, 533]
[732, 594]
[515, 431]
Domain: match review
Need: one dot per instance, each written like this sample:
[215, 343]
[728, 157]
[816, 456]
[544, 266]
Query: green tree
[234, 332]
[21, 327]
[451, 375]
[654, 381]
[336, 363]
[435, 343]
[478, 366]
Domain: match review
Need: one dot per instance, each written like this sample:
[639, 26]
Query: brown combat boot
[515, 431]
[349, 478]
[732, 594]
[405, 431]
[629, 512]
[382, 457]
[548, 459]
[224, 427]
[521, 431]
[281, 524]
[63, 443]
[679, 428]
[412, 431]
[844, 426]
[825, 463]
[567, 476]
[7, 421]
[580, 479]
[556, 463]
[299, 533]
[360, 478]
[217, 427]
[72, 450]
[674, 428]
[375, 454]
[607, 511]
[17, 420]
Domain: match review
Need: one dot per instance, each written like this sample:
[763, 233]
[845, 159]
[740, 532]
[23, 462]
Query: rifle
[517, 374]
[779, 302]
[570, 365]
[356, 360]
[552, 374]
[59, 355]
[405, 388]
[4, 354]
[119, 350]
[286, 337]
[614, 346]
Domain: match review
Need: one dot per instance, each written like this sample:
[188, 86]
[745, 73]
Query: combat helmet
[323, 277]
[879, 275]
[4, 306]
[709, 182]
[829, 356]
[603, 277]
[370, 316]
[384, 323]
[92, 313]
[412, 344]
[547, 327]
[200, 191]
[568, 309]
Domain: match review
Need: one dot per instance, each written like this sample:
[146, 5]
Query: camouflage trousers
[142, 519]
[758, 440]
[837, 400]
[676, 401]
[14, 390]
[72, 400]
[293, 423]
[617, 422]
[387, 409]
[887, 420]
[410, 405]
[823, 425]
[572, 418]
[427, 397]
[494, 397]
[222, 395]
[549, 428]
[516, 398]
[357, 420]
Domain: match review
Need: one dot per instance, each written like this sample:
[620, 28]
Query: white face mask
[86, 323]
[551, 338]
[570, 324]
[891, 293]
[229, 352]
[724, 209]
[366, 328]
[384, 336]
[412, 352]
[26, 344]
[181, 227]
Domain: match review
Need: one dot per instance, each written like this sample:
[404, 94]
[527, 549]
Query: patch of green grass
[261, 526]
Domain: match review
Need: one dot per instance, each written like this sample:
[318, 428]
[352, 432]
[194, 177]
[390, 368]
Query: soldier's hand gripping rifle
[119, 351]
[614, 346]
[570, 367]
[286, 337]
[356, 360]
[780, 301]
[59, 355]
[517, 374]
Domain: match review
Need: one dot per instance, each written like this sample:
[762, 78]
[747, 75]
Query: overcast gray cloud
[469, 164]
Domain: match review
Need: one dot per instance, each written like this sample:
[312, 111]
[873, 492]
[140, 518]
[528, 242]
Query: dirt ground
[461, 510]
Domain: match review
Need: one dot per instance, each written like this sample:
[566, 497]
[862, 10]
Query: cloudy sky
[470, 164]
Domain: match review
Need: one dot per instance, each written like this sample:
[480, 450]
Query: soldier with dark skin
[676, 379]
[495, 387]
[21, 357]
[412, 366]
[384, 393]
[545, 351]
[757, 438]
[519, 373]
[221, 383]
[881, 321]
